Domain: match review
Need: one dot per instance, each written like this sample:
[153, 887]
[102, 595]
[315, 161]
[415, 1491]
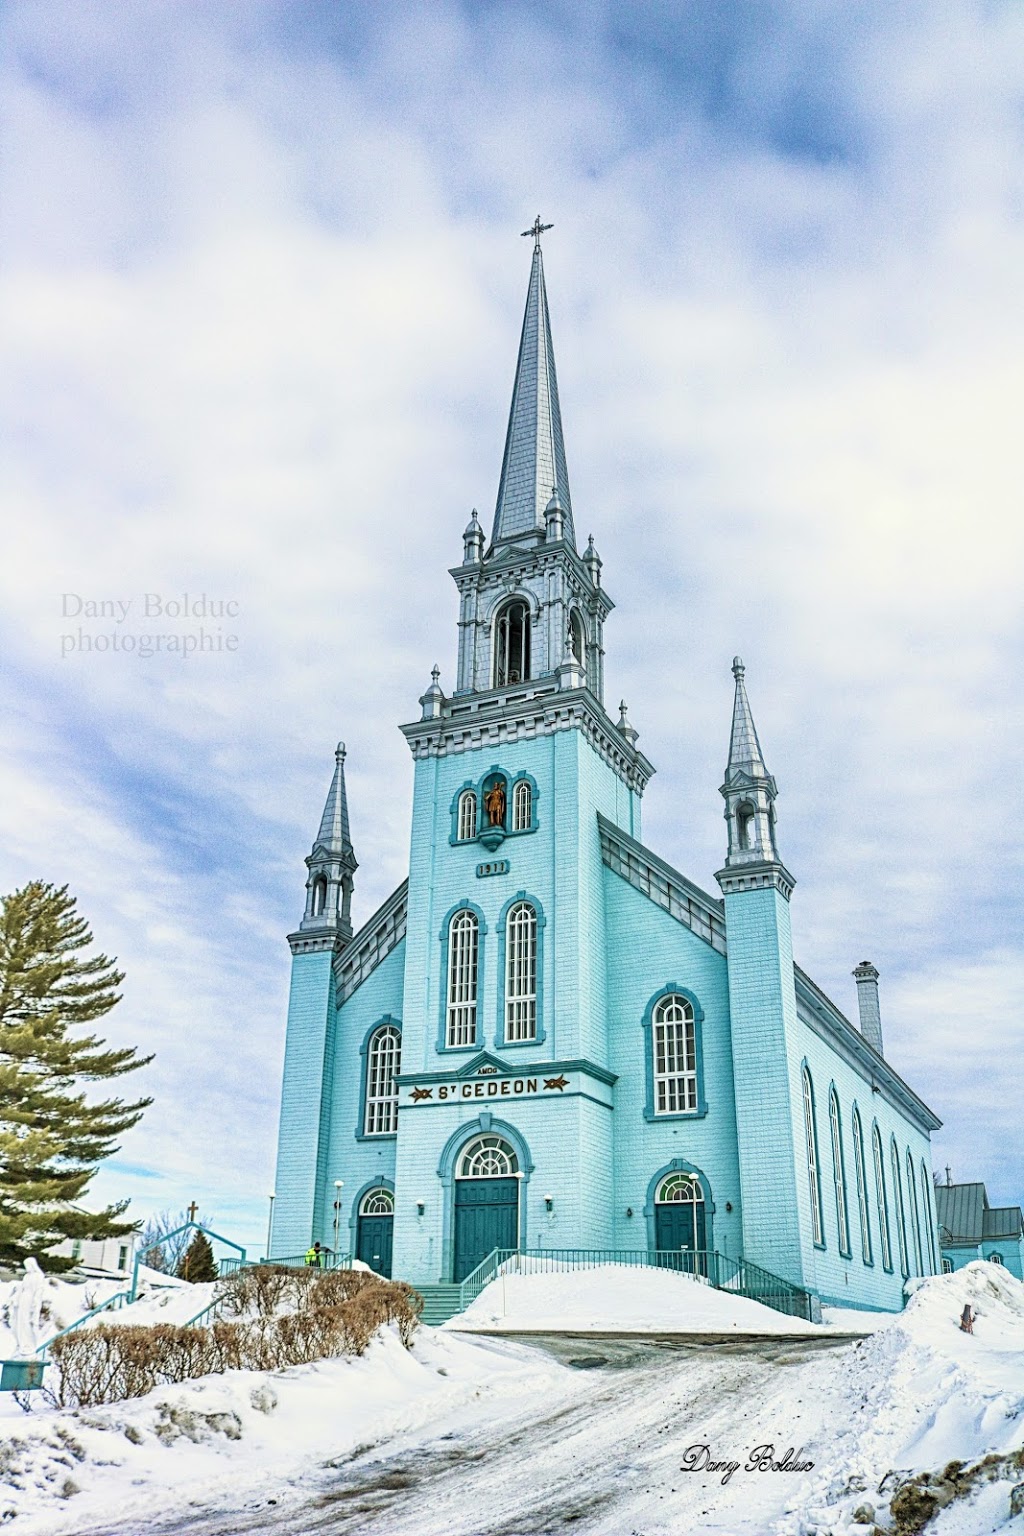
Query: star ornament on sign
[536, 230]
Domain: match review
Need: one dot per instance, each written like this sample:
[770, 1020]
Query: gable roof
[960, 1208]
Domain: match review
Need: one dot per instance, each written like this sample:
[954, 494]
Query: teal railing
[736, 1276]
[112, 1303]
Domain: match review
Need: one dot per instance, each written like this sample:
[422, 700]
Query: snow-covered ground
[466, 1436]
[621, 1297]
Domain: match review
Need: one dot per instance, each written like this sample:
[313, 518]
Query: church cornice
[503, 716]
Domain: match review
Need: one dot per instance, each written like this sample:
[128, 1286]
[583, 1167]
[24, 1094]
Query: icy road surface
[599, 1451]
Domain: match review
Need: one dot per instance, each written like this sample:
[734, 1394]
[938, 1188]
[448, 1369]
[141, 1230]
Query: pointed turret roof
[745, 756]
[333, 836]
[533, 468]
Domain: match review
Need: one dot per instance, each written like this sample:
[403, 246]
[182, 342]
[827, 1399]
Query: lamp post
[338, 1186]
[270, 1221]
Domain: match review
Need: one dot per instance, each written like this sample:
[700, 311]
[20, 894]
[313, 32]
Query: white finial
[339, 751]
[435, 673]
[738, 668]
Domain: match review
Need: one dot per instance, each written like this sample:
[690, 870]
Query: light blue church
[547, 1037]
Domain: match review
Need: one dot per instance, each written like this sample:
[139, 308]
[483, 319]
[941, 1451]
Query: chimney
[866, 978]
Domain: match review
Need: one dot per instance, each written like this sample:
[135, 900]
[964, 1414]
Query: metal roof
[1003, 1221]
[960, 1208]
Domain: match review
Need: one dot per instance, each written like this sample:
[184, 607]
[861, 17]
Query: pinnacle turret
[331, 864]
[749, 792]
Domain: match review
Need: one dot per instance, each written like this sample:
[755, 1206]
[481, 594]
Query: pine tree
[52, 1135]
[198, 1264]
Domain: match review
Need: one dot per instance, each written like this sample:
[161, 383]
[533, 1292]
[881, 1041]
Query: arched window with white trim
[901, 1210]
[862, 1188]
[839, 1172]
[512, 644]
[813, 1176]
[488, 1157]
[467, 815]
[377, 1202]
[915, 1214]
[463, 970]
[383, 1064]
[881, 1199]
[522, 806]
[929, 1215]
[674, 1048]
[521, 972]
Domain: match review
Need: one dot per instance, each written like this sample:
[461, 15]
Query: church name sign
[486, 1087]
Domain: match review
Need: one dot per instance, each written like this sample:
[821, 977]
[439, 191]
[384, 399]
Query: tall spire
[331, 865]
[533, 469]
[744, 748]
[749, 792]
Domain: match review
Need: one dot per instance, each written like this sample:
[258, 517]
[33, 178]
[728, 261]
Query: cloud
[260, 311]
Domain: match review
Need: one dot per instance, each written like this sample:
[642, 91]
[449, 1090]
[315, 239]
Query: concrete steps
[440, 1302]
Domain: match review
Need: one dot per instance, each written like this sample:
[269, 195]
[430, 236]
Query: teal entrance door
[679, 1228]
[486, 1217]
[375, 1230]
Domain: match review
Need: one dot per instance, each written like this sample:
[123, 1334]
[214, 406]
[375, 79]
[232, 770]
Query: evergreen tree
[52, 1136]
[198, 1263]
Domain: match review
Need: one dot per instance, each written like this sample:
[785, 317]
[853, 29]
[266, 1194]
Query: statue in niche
[494, 803]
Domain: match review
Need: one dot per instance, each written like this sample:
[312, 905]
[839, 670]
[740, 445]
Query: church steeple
[750, 793]
[533, 469]
[331, 864]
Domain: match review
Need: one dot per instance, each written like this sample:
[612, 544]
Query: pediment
[487, 1064]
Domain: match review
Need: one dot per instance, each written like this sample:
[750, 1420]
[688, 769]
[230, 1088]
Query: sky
[260, 299]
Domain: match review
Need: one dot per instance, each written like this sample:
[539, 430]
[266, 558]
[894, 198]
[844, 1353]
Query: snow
[464, 1435]
[621, 1298]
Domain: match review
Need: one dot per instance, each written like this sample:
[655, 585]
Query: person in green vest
[313, 1256]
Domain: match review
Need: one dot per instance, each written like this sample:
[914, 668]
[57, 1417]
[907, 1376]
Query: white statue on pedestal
[25, 1310]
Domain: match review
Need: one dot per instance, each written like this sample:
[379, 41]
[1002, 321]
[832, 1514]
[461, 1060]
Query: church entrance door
[679, 1225]
[486, 1203]
[375, 1230]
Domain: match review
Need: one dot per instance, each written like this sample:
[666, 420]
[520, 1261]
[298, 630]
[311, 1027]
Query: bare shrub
[335, 1313]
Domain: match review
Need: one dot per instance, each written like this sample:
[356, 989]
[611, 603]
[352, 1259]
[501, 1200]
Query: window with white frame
[947, 1266]
[915, 1215]
[674, 1048]
[377, 1202]
[467, 815]
[521, 972]
[929, 1215]
[862, 1188]
[680, 1189]
[901, 1214]
[881, 1200]
[811, 1139]
[522, 806]
[839, 1172]
[383, 1063]
[488, 1157]
[463, 966]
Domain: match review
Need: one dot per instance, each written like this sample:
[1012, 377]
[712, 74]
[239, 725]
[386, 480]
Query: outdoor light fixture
[549, 1201]
[629, 1210]
[728, 1205]
[421, 1206]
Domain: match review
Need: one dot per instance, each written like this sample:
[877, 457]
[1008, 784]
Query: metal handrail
[112, 1303]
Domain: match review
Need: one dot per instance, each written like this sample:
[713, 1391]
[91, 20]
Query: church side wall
[849, 1280]
[310, 1002]
[359, 1160]
[649, 952]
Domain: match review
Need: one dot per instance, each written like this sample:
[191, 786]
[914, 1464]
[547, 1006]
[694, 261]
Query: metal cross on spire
[536, 230]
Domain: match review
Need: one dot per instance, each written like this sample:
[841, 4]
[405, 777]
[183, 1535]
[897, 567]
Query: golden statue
[494, 804]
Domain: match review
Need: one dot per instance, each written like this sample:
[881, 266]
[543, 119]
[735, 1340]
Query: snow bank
[64, 1301]
[619, 1298]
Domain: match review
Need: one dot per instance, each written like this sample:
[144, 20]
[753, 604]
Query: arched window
[839, 1172]
[488, 1157]
[377, 1202]
[319, 895]
[901, 1212]
[947, 1266]
[929, 1215]
[522, 806]
[383, 1063]
[862, 1188]
[881, 1199]
[521, 973]
[916, 1227]
[512, 644]
[995, 1258]
[745, 825]
[463, 960]
[674, 1044]
[813, 1179]
[577, 641]
[467, 815]
[680, 1188]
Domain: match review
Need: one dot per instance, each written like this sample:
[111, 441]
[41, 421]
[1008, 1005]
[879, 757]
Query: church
[547, 1037]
